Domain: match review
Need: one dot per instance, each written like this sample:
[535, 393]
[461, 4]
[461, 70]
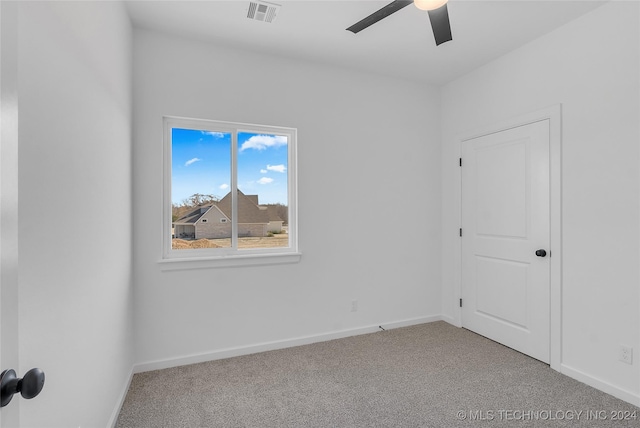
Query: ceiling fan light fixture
[429, 4]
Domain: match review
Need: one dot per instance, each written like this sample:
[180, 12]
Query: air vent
[263, 11]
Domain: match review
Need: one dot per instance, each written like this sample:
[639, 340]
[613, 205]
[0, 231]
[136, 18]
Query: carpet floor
[428, 375]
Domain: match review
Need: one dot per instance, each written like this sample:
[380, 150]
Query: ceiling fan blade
[379, 14]
[440, 24]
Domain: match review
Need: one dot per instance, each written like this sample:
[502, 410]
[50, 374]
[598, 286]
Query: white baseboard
[623, 394]
[123, 395]
[280, 344]
[409, 322]
[451, 320]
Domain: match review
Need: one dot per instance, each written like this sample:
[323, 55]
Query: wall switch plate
[626, 354]
[354, 306]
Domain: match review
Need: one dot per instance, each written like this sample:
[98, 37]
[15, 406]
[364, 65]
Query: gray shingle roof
[194, 215]
[248, 211]
[272, 211]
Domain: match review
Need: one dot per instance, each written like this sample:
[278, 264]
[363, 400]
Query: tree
[198, 199]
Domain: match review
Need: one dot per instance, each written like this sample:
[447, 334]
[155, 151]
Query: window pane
[262, 168]
[200, 186]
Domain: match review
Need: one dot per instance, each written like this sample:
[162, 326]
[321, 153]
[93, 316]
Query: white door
[505, 221]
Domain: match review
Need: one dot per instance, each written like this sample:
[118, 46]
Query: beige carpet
[429, 375]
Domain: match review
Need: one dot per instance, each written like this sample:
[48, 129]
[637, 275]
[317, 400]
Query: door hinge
[460, 302]
[460, 161]
[460, 231]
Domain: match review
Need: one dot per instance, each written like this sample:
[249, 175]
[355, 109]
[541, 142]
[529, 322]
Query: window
[229, 193]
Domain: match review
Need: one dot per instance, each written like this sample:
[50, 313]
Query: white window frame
[232, 256]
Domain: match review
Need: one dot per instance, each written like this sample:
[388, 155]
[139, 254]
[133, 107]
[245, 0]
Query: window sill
[228, 261]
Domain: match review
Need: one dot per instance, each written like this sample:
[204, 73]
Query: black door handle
[541, 253]
[29, 386]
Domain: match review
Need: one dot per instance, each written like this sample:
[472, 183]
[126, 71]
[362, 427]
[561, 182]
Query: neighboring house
[207, 221]
[213, 221]
[275, 222]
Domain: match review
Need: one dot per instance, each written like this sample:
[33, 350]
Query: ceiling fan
[438, 15]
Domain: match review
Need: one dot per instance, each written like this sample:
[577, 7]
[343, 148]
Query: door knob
[541, 253]
[29, 386]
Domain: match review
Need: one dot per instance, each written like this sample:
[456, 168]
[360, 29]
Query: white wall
[355, 152]
[75, 209]
[368, 149]
[591, 67]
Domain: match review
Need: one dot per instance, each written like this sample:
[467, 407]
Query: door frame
[9, 277]
[554, 115]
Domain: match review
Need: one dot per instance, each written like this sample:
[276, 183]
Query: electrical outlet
[354, 306]
[626, 354]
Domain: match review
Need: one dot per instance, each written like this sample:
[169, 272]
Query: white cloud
[263, 171]
[223, 186]
[213, 134]
[265, 180]
[190, 161]
[262, 142]
[277, 168]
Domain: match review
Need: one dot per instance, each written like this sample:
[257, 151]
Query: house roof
[194, 215]
[272, 212]
[248, 210]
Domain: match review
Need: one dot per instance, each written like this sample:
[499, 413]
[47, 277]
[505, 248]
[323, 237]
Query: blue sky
[201, 163]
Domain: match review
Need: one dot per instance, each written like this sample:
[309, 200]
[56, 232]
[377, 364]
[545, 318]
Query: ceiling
[400, 45]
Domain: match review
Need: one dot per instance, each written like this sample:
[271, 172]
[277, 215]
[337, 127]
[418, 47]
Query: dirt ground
[279, 240]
